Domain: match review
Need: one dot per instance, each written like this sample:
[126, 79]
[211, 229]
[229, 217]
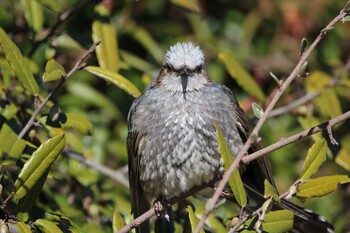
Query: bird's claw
[161, 209]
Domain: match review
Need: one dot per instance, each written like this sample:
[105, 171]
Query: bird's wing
[139, 204]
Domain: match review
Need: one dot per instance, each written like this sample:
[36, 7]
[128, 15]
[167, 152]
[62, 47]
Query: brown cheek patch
[160, 78]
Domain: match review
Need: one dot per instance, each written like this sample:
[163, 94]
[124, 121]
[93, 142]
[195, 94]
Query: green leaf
[10, 143]
[115, 78]
[53, 71]
[317, 81]
[309, 122]
[34, 14]
[79, 123]
[118, 221]
[47, 226]
[321, 186]
[343, 159]
[38, 164]
[257, 110]
[193, 219]
[23, 228]
[330, 103]
[18, 63]
[66, 42]
[107, 51]
[278, 221]
[270, 191]
[235, 180]
[191, 5]
[137, 62]
[243, 78]
[316, 156]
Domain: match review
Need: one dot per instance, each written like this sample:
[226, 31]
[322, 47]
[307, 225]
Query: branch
[78, 66]
[295, 73]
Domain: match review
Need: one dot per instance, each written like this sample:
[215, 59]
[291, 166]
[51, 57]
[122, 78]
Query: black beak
[184, 81]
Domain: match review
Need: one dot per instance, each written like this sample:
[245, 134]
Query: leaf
[257, 110]
[278, 221]
[10, 143]
[343, 159]
[66, 42]
[23, 228]
[136, 62]
[317, 81]
[47, 226]
[53, 71]
[79, 123]
[191, 5]
[118, 221]
[107, 51]
[270, 191]
[115, 78]
[243, 78]
[18, 63]
[235, 180]
[38, 163]
[321, 186]
[316, 156]
[330, 103]
[309, 122]
[193, 219]
[34, 14]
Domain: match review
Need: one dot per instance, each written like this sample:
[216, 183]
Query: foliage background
[263, 35]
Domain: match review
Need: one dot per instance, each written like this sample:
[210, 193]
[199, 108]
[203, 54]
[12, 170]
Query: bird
[172, 143]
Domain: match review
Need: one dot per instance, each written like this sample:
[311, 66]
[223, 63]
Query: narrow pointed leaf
[107, 51]
[23, 228]
[115, 78]
[193, 219]
[316, 156]
[53, 71]
[118, 221]
[257, 110]
[321, 186]
[330, 103]
[38, 164]
[241, 75]
[18, 63]
[278, 221]
[343, 159]
[79, 123]
[47, 226]
[270, 191]
[34, 14]
[10, 143]
[138, 63]
[235, 180]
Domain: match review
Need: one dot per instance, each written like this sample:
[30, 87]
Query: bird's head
[183, 69]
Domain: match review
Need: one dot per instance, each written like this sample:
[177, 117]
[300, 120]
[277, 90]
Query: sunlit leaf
[278, 221]
[309, 122]
[107, 51]
[9, 111]
[317, 81]
[23, 228]
[18, 63]
[330, 103]
[115, 78]
[34, 14]
[191, 5]
[270, 191]
[343, 159]
[193, 219]
[314, 159]
[10, 143]
[38, 164]
[235, 180]
[241, 75]
[321, 186]
[53, 71]
[136, 62]
[79, 123]
[47, 226]
[118, 221]
[66, 42]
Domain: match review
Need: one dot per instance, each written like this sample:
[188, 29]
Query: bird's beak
[184, 81]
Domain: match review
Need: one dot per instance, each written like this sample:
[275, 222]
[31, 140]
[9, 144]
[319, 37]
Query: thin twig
[261, 121]
[76, 67]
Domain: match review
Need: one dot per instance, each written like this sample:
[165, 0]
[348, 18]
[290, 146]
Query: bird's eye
[168, 68]
[198, 69]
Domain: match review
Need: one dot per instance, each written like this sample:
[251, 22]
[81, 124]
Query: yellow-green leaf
[343, 159]
[38, 164]
[235, 180]
[34, 14]
[136, 62]
[18, 63]
[118, 221]
[115, 78]
[53, 71]
[278, 221]
[241, 75]
[10, 143]
[317, 81]
[257, 110]
[191, 5]
[316, 156]
[107, 51]
[321, 186]
[47, 226]
[193, 219]
[330, 103]
[79, 123]
[23, 228]
[270, 191]
[309, 122]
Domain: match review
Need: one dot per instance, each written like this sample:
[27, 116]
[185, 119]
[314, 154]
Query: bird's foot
[161, 208]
